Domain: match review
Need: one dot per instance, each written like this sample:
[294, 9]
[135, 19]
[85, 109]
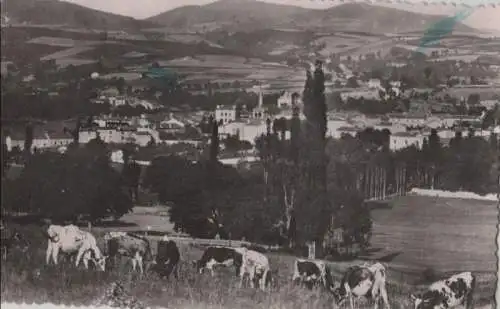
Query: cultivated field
[443, 234]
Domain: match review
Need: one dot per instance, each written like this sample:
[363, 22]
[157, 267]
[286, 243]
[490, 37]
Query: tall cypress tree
[28, 138]
[214, 141]
[314, 154]
[320, 132]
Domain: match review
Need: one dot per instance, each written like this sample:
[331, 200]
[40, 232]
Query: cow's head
[100, 263]
[53, 233]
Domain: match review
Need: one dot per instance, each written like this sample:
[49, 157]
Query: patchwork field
[443, 234]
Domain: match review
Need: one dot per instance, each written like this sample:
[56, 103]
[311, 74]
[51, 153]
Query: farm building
[402, 140]
[42, 140]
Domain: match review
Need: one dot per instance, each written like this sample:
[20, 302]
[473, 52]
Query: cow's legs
[55, 254]
[140, 262]
[81, 252]
[263, 281]
[48, 253]
[351, 301]
[241, 280]
[383, 294]
[86, 262]
[134, 263]
[469, 301]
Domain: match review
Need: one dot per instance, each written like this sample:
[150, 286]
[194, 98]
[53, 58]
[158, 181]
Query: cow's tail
[470, 296]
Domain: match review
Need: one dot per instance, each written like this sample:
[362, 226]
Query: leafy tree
[5, 158]
[199, 208]
[77, 184]
[473, 99]
[28, 138]
[131, 176]
[233, 144]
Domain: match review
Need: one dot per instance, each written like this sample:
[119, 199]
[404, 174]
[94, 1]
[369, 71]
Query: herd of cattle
[367, 280]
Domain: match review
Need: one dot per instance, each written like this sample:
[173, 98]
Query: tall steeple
[261, 99]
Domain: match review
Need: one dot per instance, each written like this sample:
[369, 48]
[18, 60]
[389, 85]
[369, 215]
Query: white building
[393, 128]
[374, 83]
[288, 99]
[225, 114]
[142, 138]
[41, 140]
[346, 130]
[408, 119]
[107, 135]
[489, 104]
[172, 125]
[333, 124]
[358, 94]
[402, 140]
[246, 131]
[117, 100]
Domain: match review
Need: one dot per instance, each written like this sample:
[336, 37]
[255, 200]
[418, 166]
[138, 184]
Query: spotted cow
[256, 265]
[135, 247]
[365, 280]
[167, 258]
[220, 256]
[448, 293]
[312, 273]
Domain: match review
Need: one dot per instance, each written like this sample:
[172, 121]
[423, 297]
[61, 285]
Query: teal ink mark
[163, 78]
[442, 28]
[161, 73]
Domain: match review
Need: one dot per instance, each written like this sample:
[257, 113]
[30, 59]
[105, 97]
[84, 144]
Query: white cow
[254, 263]
[70, 239]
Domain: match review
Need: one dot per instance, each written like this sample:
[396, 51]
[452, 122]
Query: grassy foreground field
[444, 234]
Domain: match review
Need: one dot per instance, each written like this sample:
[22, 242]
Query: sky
[482, 18]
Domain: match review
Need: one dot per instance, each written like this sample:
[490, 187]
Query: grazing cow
[15, 240]
[167, 258]
[129, 245]
[220, 256]
[365, 280]
[311, 273]
[448, 293]
[70, 239]
[256, 265]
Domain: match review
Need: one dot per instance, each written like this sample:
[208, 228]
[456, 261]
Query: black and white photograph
[250, 154]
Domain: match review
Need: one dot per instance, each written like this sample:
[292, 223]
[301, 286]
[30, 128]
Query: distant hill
[247, 15]
[231, 15]
[363, 17]
[55, 12]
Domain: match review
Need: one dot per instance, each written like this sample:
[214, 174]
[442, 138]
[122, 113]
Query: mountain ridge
[56, 12]
[259, 15]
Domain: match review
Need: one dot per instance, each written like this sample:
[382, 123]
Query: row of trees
[80, 184]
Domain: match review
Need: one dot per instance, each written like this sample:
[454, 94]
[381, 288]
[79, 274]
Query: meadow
[443, 236]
